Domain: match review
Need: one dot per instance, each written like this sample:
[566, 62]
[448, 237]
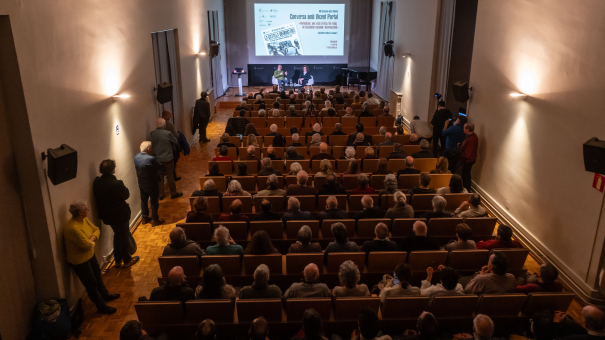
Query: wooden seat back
[421, 260]
[267, 140]
[294, 122]
[341, 199]
[251, 165]
[259, 122]
[386, 121]
[404, 307]
[238, 230]
[348, 308]
[410, 149]
[273, 261]
[275, 229]
[425, 164]
[292, 228]
[422, 202]
[542, 301]
[384, 151]
[468, 259]
[155, 313]
[395, 165]
[261, 182]
[336, 259]
[453, 306]
[516, 256]
[296, 308]
[343, 165]
[376, 181]
[355, 202]
[307, 202]
[279, 121]
[385, 261]
[408, 181]
[482, 226]
[231, 152]
[277, 203]
[246, 203]
[455, 200]
[335, 140]
[250, 309]
[220, 182]
[235, 140]
[243, 151]
[439, 180]
[366, 227]
[214, 205]
[248, 182]
[220, 310]
[404, 226]
[190, 264]
[304, 163]
[198, 232]
[348, 121]
[368, 121]
[443, 226]
[500, 305]
[330, 121]
[326, 231]
[401, 139]
[296, 263]
[369, 166]
[230, 264]
[338, 151]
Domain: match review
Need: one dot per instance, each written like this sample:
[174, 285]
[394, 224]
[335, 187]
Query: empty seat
[366, 227]
[500, 305]
[246, 203]
[482, 226]
[292, 228]
[443, 226]
[238, 230]
[422, 202]
[326, 231]
[337, 140]
[226, 167]
[385, 150]
[454, 306]
[157, 313]
[190, 264]
[336, 259]
[387, 121]
[230, 264]
[367, 121]
[278, 164]
[404, 307]
[273, 261]
[348, 308]
[404, 226]
[410, 149]
[516, 257]
[275, 229]
[198, 232]
[296, 308]
[394, 165]
[552, 301]
[296, 263]
[468, 259]
[421, 260]
[385, 261]
[439, 180]
[220, 310]
[376, 181]
[235, 140]
[250, 309]
[425, 164]
[294, 121]
[214, 205]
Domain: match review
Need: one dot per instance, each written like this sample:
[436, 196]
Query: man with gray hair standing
[162, 142]
[260, 289]
[425, 151]
[148, 168]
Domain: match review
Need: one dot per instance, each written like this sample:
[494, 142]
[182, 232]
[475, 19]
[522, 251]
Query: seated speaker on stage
[305, 76]
[280, 75]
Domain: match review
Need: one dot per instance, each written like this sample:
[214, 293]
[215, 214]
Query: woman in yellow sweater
[80, 236]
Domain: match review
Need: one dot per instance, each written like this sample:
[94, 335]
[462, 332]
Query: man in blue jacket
[455, 135]
[148, 175]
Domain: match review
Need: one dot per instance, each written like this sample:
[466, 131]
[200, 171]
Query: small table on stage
[292, 86]
[239, 82]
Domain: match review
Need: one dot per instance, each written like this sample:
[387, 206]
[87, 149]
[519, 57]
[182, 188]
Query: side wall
[530, 152]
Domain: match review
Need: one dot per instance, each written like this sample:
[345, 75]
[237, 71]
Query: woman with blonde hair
[252, 140]
[276, 113]
[381, 167]
[295, 168]
[325, 168]
[441, 167]
[401, 209]
[235, 189]
[262, 113]
[353, 168]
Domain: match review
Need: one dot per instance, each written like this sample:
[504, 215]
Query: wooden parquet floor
[140, 279]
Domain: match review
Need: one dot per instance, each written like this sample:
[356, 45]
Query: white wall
[73, 56]
[415, 29]
[376, 46]
[530, 151]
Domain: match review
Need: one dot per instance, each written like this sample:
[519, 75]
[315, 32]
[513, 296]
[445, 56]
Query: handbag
[132, 244]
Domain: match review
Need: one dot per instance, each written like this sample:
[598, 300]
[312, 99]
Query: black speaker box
[461, 91]
[164, 94]
[214, 48]
[594, 156]
[62, 164]
[388, 48]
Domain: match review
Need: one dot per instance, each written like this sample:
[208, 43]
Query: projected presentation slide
[299, 29]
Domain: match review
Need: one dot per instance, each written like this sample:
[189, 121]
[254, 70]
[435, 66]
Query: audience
[409, 167]
[448, 283]
[198, 215]
[235, 189]
[463, 233]
[267, 168]
[360, 140]
[474, 211]
[309, 287]
[349, 153]
[273, 129]
[295, 168]
[291, 154]
[180, 246]
[325, 168]
[175, 288]
[242, 170]
[397, 153]
[469, 154]
[239, 123]
[425, 151]
[503, 239]
[272, 187]
[315, 142]
[369, 210]
[301, 188]
[331, 187]
[364, 186]
[400, 209]
[266, 214]
[382, 168]
[455, 187]
[428, 329]
[419, 241]
[133, 330]
[323, 154]
[547, 281]
[349, 276]
[403, 275]
[337, 131]
[341, 243]
[381, 242]
[388, 140]
[251, 130]
[223, 151]
[213, 285]
[214, 170]
[423, 187]
[225, 141]
[332, 212]
[316, 130]
[353, 168]
[259, 328]
[391, 186]
[260, 289]
[251, 142]
[224, 244]
[260, 244]
[439, 204]
[454, 136]
[441, 167]
[206, 330]
[208, 191]
[294, 213]
[303, 242]
[493, 278]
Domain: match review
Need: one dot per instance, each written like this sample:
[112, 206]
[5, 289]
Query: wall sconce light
[202, 53]
[518, 95]
[405, 55]
[123, 96]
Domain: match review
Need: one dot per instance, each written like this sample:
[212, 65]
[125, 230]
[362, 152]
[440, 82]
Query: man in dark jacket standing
[148, 175]
[201, 116]
[110, 196]
[440, 116]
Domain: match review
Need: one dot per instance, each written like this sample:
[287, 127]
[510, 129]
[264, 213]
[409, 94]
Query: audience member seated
[421, 128]
[262, 113]
[294, 213]
[208, 191]
[316, 130]
[273, 129]
[266, 214]
[349, 153]
[419, 241]
[425, 151]
[239, 123]
[242, 170]
[439, 204]
[399, 131]
[503, 240]
[133, 330]
[278, 142]
[381, 242]
[259, 329]
[594, 319]
[360, 140]
[382, 131]
[223, 151]
[332, 212]
[546, 281]
[268, 168]
[369, 154]
[371, 99]
[348, 112]
[409, 168]
[424, 182]
[234, 216]
[303, 242]
[251, 130]
[388, 140]
[198, 215]
[272, 187]
[295, 168]
[397, 153]
[214, 170]
[325, 168]
[364, 187]
[448, 283]
[427, 329]
[331, 112]
[260, 244]
[493, 278]
[341, 243]
[180, 246]
[175, 288]
[296, 141]
[456, 186]
[441, 167]
[400, 209]
[225, 142]
[369, 210]
[224, 244]
[234, 188]
[213, 285]
[349, 276]
[368, 326]
[463, 233]
[337, 131]
[301, 188]
[382, 168]
[366, 112]
[474, 211]
[312, 328]
[323, 154]
[403, 273]
[315, 142]
[331, 187]
[309, 287]
[359, 128]
[260, 289]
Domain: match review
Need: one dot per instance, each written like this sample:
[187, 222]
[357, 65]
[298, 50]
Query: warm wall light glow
[202, 53]
[121, 96]
[518, 95]
[111, 83]
[528, 81]
[406, 55]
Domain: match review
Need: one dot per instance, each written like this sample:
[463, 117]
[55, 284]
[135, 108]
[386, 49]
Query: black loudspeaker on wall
[164, 93]
[62, 164]
[388, 48]
[214, 47]
[594, 156]
[461, 91]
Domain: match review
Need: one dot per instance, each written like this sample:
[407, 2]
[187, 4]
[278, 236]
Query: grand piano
[359, 75]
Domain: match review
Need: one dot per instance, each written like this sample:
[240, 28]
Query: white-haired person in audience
[209, 190]
[420, 240]
[260, 289]
[175, 287]
[316, 130]
[341, 243]
[303, 242]
[439, 204]
[198, 214]
[381, 242]
[292, 111]
[403, 272]
[448, 282]
[409, 168]
[234, 188]
[364, 187]
[361, 140]
[213, 285]
[80, 236]
[296, 140]
[425, 150]
[390, 186]
[324, 111]
[301, 188]
[332, 212]
[388, 139]
[267, 168]
[493, 278]
[349, 153]
[147, 168]
[273, 129]
[401, 209]
[315, 141]
[455, 187]
[294, 213]
[180, 246]
[276, 112]
[225, 141]
[310, 287]
[369, 210]
[323, 154]
[348, 275]
[235, 215]
[266, 214]
[463, 235]
[371, 99]
[295, 168]
[225, 245]
[474, 208]
[325, 168]
[291, 154]
[262, 113]
[382, 131]
[349, 112]
[272, 187]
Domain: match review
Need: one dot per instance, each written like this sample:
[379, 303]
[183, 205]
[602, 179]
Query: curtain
[165, 57]
[174, 75]
[446, 29]
[384, 79]
[217, 74]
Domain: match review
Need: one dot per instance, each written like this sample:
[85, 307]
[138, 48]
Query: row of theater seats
[315, 101]
[252, 111]
[334, 140]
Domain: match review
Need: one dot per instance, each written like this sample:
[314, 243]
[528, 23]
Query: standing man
[440, 116]
[280, 75]
[469, 154]
[148, 170]
[167, 115]
[110, 196]
[454, 137]
[161, 144]
[201, 116]
[305, 76]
